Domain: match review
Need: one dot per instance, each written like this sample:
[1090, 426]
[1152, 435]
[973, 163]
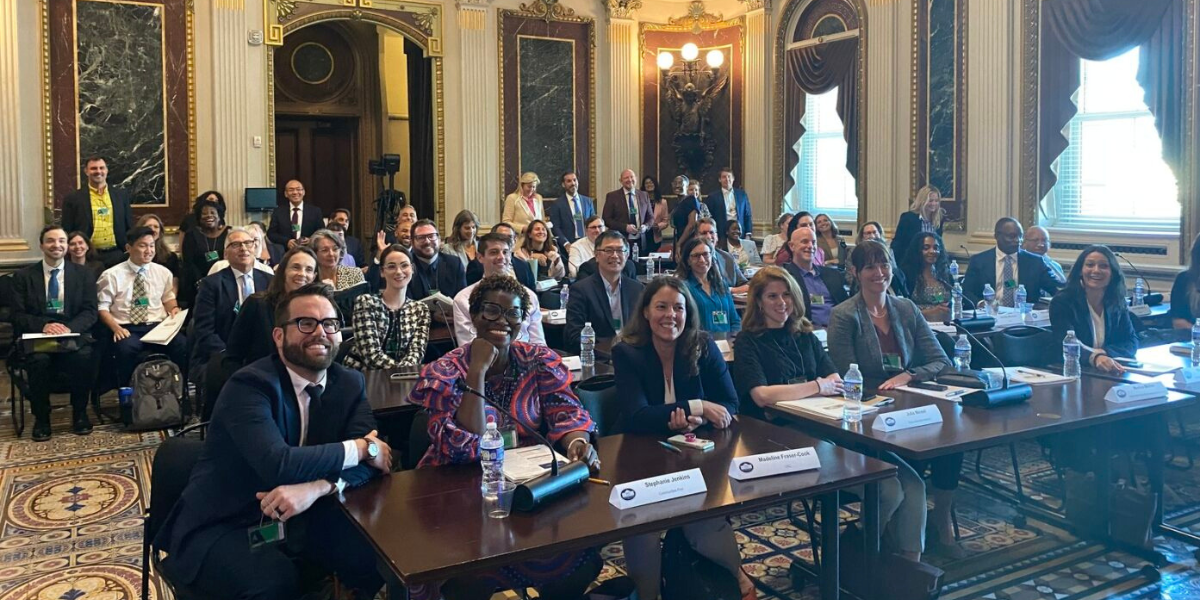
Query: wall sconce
[714, 58]
[690, 53]
[665, 60]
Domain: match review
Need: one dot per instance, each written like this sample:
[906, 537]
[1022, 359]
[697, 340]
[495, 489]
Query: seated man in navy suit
[218, 301]
[289, 432]
[1006, 266]
[569, 213]
[604, 299]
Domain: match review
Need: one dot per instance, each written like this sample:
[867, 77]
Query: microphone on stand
[1008, 393]
[537, 491]
[964, 249]
[1149, 299]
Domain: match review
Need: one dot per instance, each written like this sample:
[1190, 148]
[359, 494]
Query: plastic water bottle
[962, 353]
[587, 349]
[1019, 298]
[1139, 292]
[651, 267]
[1196, 343]
[852, 384]
[491, 459]
[563, 296]
[954, 270]
[956, 302]
[989, 298]
[634, 253]
[1071, 355]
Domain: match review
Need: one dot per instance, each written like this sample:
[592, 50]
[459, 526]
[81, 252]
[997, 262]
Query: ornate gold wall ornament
[753, 5]
[284, 9]
[425, 20]
[548, 10]
[622, 9]
[698, 17]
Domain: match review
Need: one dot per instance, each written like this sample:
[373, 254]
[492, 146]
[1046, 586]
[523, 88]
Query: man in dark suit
[823, 287]
[569, 213]
[520, 268]
[1006, 266]
[55, 296]
[354, 247]
[607, 298]
[730, 201]
[627, 210]
[101, 211]
[218, 301]
[294, 222]
[433, 272]
[289, 432]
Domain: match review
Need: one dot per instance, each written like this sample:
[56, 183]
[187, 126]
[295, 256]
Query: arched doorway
[419, 24]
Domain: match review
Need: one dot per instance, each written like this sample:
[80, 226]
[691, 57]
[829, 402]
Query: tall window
[1113, 174]
[822, 182]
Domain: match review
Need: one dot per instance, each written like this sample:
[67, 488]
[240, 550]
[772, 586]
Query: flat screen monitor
[260, 199]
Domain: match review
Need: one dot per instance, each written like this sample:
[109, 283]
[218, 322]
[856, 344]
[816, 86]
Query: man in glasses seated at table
[289, 432]
[495, 254]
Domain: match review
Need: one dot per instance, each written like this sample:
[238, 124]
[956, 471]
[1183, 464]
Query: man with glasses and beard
[289, 432]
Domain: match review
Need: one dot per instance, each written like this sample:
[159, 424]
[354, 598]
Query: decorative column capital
[472, 4]
[753, 5]
[622, 9]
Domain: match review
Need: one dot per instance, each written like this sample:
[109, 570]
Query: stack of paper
[952, 393]
[830, 408]
[1030, 376]
[167, 330]
[726, 350]
[1182, 349]
[529, 462]
[439, 303]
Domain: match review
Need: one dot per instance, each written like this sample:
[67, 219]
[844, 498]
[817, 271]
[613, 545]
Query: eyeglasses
[610, 251]
[425, 236]
[493, 312]
[248, 244]
[307, 325]
[392, 267]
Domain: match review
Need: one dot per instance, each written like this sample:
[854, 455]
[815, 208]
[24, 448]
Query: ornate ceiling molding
[753, 5]
[697, 17]
[622, 9]
[548, 10]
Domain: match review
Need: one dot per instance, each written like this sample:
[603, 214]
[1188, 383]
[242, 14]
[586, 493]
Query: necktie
[140, 311]
[578, 217]
[633, 212]
[52, 292]
[247, 286]
[295, 220]
[1009, 287]
[314, 402]
[314, 392]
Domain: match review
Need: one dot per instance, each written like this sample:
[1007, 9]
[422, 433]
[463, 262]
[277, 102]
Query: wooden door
[320, 153]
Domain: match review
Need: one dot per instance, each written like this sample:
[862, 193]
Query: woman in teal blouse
[713, 300]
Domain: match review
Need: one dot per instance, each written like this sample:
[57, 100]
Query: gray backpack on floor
[157, 394]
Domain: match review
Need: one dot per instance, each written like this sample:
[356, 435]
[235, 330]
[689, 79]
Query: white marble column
[888, 111]
[756, 157]
[625, 121]
[232, 139]
[480, 115]
[12, 190]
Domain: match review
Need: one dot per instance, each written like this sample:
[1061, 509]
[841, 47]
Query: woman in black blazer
[673, 379]
[925, 214]
[1093, 305]
[251, 337]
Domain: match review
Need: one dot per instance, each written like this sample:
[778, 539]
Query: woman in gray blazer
[892, 344]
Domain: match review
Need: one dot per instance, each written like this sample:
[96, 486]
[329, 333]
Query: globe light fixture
[689, 51]
[714, 58]
[665, 60]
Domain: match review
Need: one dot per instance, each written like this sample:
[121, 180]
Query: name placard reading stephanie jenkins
[657, 489]
[774, 463]
[905, 419]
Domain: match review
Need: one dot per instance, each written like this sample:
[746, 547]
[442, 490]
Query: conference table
[428, 525]
[1053, 409]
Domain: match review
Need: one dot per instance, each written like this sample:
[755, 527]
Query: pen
[599, 481]
[670, 447]
[956, 393]
[778, 444]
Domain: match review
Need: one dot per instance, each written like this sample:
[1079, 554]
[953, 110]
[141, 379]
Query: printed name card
[774, 463]
[1132, 392]
[1188, 375]
[1141, 310]
[1009, 319]
[907, 419]
[657, 489]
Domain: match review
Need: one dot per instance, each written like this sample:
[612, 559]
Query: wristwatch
[372, 449]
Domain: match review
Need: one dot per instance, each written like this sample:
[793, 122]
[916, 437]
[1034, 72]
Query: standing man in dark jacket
[569, 213]
[628, 210]
[101, 211]
[56, 296]
[294, 222]
[730, 204]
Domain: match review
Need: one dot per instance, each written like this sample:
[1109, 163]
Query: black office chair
[173, 464]
[598, 395]
[418, 441]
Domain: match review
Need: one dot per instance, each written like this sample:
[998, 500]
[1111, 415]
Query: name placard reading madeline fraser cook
[657, 489]
[774, 463]
[1132, 392]
[905, 419]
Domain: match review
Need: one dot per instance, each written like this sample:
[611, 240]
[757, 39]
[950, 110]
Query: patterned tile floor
[70, 529]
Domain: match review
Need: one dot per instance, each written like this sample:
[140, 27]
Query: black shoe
[41, 431]
[80, 425]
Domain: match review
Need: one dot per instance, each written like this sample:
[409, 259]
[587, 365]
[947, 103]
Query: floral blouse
[925, 294]
[386, 338]
[536, 390]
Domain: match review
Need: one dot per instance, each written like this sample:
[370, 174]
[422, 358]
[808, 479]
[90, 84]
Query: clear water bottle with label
[962, 353]
[954, 270]
[956, 302]
[1196, 343]
[634, 253]
[491, 459]
[989, 297]
[1019, 298]
[1139, 292]
[852, 384]
[563, 296]
[1071, 355]
[587, 349]
[651, 267]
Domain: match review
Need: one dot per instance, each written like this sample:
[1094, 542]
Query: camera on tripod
[390, 201]
[389, 165]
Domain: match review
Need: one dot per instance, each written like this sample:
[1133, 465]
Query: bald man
[1037, 241]
[628, 211]
[293, 223]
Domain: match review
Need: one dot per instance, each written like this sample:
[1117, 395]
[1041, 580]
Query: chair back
[1026, 346]
[173, 464]
[418, 441]
[599, 397]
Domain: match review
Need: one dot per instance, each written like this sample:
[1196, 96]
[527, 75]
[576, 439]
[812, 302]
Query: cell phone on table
[929, 385]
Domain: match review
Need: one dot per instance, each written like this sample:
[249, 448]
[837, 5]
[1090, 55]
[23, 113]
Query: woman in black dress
[202, 247]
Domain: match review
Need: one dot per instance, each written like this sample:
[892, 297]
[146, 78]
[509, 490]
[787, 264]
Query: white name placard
[774, 463]
[1132, 392]
[1009, 319]
[907, 419]
[657, 489]
[1141, 310]
[1188, 375]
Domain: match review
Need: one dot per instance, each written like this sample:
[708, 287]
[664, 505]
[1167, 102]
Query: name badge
[719, 317]
[616, 325]
[211, 256]
[1187, 375]
[102, 211]
[657, 489]
[774, 463]
[891, 361]
[270, 533]
[143, 301]
[54, 305]
[1132, 392]
[907, 419]
[1010, 284]
[237, 307]
[296, 228]
[817, 300]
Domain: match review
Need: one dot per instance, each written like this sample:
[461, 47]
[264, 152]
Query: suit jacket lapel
[629, 298]
[900, 333]
[291, 406]
[866, 329]
[39, 288]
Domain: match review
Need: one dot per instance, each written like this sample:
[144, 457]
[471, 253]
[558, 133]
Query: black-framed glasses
[248, 244]
[307, 325]
[492, 312]
[610, 251]
[425, 236]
